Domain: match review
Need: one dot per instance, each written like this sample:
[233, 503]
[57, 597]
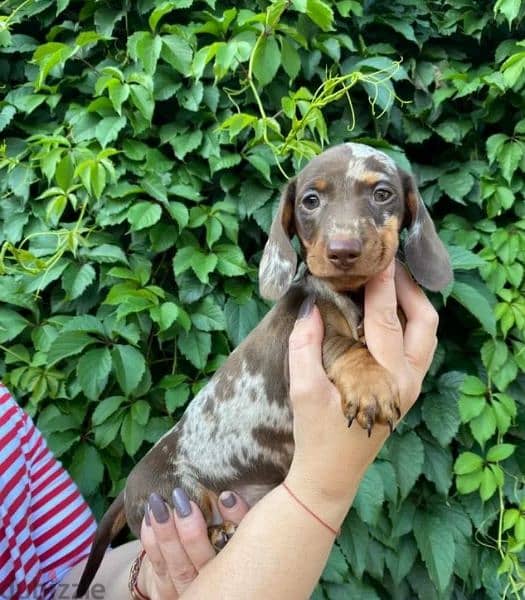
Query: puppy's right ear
[279, 260]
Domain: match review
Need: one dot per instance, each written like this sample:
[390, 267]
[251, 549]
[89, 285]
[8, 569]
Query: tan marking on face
[320, 185]
[371, 177]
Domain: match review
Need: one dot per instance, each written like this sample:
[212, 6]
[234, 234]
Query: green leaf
[93, 370]
[178, 54]
[11, 324]
[108, 129]
[195, 346]
[75, 280]
[266, 60]
[509, 8]
[437, 547]
[165, 315]
[456, 185]
[370, 496]
[407, 455]
[488, 485]
[240, 319]
[207, 316]
[438, 467]
[132, 434]
[320, 13]
[106, 408]
[290, 58]
[467, 462]
[144, 214]
[469, 482]
[475, 303]
[129, 366]
[230, 260]
[483, 427]
[86, 468]
[67, 344]
[441, 416]
[353, 542]
[500, 452]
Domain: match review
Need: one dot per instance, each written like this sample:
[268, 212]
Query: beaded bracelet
[134, 591]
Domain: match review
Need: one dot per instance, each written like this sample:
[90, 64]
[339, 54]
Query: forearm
[280, 550]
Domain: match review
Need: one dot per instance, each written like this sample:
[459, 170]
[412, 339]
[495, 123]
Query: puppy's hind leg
[219, 531]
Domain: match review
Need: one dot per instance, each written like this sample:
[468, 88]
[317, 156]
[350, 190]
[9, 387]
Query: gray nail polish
[181, 502]
[306, 307]
[158, 508]
[146, 515]
[228, 500]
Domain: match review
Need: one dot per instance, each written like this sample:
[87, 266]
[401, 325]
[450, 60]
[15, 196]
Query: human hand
[176, 542]
[329, 458]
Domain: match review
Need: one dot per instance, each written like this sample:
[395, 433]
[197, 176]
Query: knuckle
[185, 575]
[387, 319]
[301, 338]
[191, 535]
[430, 316]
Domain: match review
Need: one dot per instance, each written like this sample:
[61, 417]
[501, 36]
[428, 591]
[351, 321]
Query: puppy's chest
[235, 423]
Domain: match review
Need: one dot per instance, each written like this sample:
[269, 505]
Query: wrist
[329, 503]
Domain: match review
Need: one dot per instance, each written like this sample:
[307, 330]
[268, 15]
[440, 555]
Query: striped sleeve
[48, 525]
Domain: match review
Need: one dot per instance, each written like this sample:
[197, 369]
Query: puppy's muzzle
[343, 253]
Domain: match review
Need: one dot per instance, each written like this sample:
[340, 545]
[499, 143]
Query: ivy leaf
[407, 455]
[266, 60]
[476, 303]
[240, 319]
[456, 185]
[195, 346]
[87, 468]
[129, 366]
[230, 260]
[353, 542]
[370, 496]
[132, 434]
[93, 369]
[11, 324]
[76, 279]
[436, 545]
[68, 344]
[441, 416]
[320, 13]
[208, 316]
[144, 214]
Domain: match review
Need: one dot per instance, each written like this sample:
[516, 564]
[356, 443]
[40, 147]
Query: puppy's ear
[279, 260]
[425, 253]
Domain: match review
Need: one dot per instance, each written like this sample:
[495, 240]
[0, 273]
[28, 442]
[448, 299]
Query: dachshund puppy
[347, 208]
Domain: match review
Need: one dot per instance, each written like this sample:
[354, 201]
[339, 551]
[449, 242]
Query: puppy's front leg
[369, 393]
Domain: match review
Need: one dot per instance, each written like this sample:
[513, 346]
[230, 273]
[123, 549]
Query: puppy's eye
[382, 195]
[311, 201]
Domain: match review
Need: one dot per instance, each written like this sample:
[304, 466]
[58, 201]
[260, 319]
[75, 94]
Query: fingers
[422, 321]
[232, 507]
[383, 331]
[173, 564]
[304, 351]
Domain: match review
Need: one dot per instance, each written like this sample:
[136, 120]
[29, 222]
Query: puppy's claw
[350, 421]
[369, 426]
[398, 411]
[391, 425]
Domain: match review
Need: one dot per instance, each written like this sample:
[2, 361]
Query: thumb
[305, 348]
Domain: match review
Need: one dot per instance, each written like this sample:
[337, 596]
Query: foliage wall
[143, 147]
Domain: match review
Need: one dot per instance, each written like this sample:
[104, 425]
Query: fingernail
[306, 307]
[181, 502]
[146, 514]
[228, 499]
[158, 508]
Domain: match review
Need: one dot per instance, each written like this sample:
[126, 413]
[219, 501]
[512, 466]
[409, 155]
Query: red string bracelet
[308, 510]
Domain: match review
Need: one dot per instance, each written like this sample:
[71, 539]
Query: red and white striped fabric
[45, 525]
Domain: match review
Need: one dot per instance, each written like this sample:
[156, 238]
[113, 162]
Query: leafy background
[143, 147]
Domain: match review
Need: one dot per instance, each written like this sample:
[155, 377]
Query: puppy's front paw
[220, 535]
[369, 393]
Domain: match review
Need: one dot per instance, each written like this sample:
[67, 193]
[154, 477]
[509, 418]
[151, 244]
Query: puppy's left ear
[425, 253]
[279, 260]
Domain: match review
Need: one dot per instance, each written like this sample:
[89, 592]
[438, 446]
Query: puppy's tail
[112, 522]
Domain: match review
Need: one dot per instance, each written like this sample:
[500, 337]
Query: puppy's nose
[344, 252]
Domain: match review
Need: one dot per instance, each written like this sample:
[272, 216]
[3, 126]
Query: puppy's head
[347, 207]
